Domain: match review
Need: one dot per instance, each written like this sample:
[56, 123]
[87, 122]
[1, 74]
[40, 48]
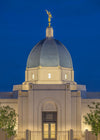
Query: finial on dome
[49, 17]
[49, 29]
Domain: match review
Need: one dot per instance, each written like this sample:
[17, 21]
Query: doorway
[49, 125]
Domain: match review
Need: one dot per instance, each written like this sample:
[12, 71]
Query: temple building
[49, 102]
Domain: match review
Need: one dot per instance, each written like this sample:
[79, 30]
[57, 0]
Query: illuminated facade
[49, 102]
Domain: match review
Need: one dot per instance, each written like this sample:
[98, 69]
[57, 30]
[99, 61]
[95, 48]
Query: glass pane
[49, 117]
[46, 131]
[52, 129]
[49, 75]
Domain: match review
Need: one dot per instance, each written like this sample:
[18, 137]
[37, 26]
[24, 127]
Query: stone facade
[50, 90]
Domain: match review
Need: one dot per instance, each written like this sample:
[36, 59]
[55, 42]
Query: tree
[8, 120]
[93, 117]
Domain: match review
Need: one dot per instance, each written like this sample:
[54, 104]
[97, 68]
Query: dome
[49, 52]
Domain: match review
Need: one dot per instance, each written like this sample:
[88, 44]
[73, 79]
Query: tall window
[49, 75]
[33, 76]
[66, 76]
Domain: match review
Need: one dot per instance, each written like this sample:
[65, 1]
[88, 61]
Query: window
[49, 75]
[46, 130]
[66, 76]
[33, 76]
[53, 130]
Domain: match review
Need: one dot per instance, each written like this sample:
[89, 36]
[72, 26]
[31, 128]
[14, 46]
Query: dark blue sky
[76, 24]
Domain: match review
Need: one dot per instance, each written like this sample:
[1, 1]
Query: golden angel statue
[49, 17]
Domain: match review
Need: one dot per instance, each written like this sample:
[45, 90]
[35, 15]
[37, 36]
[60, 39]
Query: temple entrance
[49, 125]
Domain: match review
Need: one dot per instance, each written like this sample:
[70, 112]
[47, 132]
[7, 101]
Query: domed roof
[49, 52]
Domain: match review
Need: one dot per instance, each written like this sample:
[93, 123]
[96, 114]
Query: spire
[49, 29]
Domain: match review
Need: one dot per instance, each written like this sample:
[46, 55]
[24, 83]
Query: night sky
[76, 24]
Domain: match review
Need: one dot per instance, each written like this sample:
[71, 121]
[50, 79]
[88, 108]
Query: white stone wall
[22, 110]
[76, 111]
[49, 98]
[41, 75]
